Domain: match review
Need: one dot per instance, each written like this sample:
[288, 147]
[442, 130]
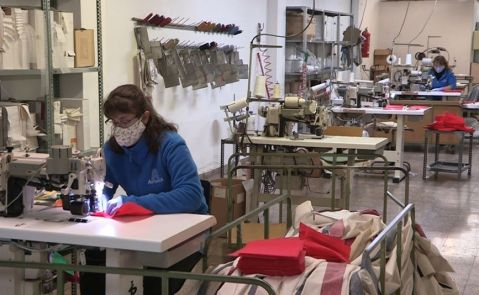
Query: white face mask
[439, 69]
[126, 137]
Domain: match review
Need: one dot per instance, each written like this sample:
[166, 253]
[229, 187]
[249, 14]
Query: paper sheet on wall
[15, 128]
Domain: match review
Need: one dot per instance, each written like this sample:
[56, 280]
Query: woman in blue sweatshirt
[151, 162]
[147, 157]
[442, 76]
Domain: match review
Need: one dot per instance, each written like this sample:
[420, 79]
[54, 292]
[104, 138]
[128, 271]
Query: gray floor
[446, 207]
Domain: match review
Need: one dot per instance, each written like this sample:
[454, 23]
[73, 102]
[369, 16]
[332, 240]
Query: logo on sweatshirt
[155, 177]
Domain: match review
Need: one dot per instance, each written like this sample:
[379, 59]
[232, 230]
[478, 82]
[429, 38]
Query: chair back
[474, 93]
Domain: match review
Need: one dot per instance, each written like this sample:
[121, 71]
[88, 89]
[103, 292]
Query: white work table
[397, 155]
[393, 94]
[130, 241]
[345, 142]
[471, 106]
[351, 143]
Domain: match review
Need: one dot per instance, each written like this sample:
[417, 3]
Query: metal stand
[443, 166]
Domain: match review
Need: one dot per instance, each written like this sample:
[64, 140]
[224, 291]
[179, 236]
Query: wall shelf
[75, 70]
[178, 26]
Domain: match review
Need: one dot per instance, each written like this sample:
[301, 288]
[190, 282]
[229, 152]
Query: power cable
[292, 35]
[403, 22]
[426, 23]
[364, 12]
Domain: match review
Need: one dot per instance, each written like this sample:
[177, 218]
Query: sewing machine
[292, 109]
[74, 176]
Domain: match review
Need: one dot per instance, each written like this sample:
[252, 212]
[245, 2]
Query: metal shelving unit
[52, 75]
[318, 45]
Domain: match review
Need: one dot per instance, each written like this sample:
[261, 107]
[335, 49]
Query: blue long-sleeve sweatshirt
[164, 182]
[446, 79]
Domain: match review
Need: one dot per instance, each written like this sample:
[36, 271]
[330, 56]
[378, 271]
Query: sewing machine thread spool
[427, 61]
[260, 87]
[237, 105]
[276, 91]
[409, 59]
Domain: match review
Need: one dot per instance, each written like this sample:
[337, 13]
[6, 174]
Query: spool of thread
[399, 61]
[339, 76]
[293, 102]
[276, 91]
[237, 105]
[391, 59]
[351, 77]
[427, 61]
[260, 87]
[408, 59]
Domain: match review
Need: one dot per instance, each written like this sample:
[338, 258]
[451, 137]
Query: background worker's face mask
[439, 69]
[128, 136]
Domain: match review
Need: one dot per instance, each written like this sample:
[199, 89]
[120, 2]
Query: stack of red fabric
[449, 122]
[274, 257]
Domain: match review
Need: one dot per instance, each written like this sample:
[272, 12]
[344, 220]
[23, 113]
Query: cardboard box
[218, 205]
[295, 24]
[380, 56]
[84, 48]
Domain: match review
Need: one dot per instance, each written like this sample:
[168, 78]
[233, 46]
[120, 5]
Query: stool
[442, 166]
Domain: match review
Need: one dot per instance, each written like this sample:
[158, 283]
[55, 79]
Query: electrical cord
[364, 12]
[26, 183]
[292, 35]
[403, 22]
[426, 23]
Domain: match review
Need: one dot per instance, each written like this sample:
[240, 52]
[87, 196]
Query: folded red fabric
[274, 257]
[449, 122]
[127, 209]
[322, 246]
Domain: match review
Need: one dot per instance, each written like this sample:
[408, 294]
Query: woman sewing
[151, 162]
[442, 76]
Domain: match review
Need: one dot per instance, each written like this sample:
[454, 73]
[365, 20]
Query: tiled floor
[447, 209]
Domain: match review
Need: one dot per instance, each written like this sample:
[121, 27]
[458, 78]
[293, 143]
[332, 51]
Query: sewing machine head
[75, 177]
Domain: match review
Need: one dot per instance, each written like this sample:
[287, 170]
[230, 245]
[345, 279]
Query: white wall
[371, 22]
[453, 20]
[197, 113]
[333, 5]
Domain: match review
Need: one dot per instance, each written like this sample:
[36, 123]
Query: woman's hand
[113, 205]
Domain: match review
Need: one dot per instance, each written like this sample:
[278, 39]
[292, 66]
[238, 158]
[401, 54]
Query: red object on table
[127, 209]
[449, 122]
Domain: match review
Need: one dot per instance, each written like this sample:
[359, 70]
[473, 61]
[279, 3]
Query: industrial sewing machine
[74, 176]
[293, 109]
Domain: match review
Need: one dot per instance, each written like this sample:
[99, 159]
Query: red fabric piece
[370, 211]
[127, 209]
[393, 107]
[322, 246]
[333, 279]
[414, 108]
[274, 257]
[453, 90]
[449, 122]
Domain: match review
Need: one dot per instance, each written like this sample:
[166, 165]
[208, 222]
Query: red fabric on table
[127, 209]
[449, 122]
[393, 107]
[415, 108]
[453, 90]
[322, 246]
[274, 257]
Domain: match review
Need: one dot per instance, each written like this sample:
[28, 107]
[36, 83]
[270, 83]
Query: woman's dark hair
[129, 99]
[441, 60]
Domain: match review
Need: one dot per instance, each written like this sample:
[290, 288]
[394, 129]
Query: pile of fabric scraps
[449, 122]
